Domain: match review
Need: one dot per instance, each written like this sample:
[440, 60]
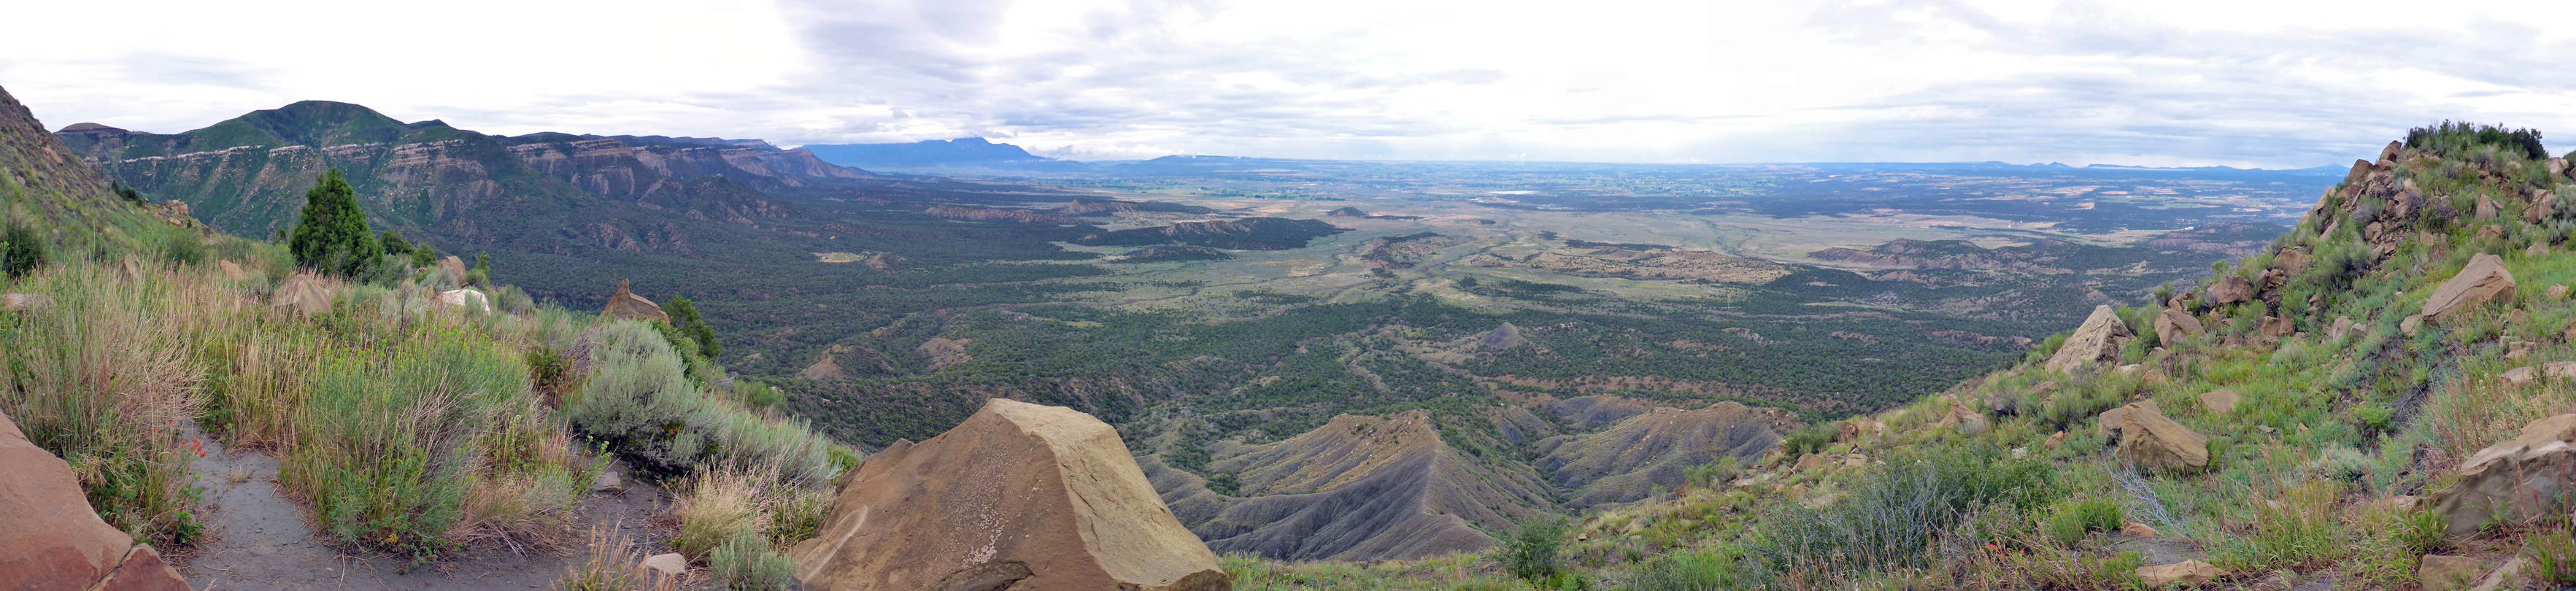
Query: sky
[2169, 83]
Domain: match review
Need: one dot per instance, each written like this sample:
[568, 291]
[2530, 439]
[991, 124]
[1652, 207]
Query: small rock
[2232, 290]
[2490, 231]
[2173, 325]
[2278, 327]
[2446, 573]
[2137, 530]
[2189, 573]
[2517, 316]
[2516, 376]
[2219, 402]
[2542, 203]
[1810, 462]
[2536, 249]
[24, 302]
[2557, 292]
[2055, 440]
[2560, 369]
[2342, 326]
[2412, 321]
[2511, 572]
[607, 482]
[1855, 460]
[672, 564]
[2020, 452]
[2487, 207]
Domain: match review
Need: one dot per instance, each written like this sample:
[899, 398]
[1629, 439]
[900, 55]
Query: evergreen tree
[395, 244]
[332, 236]
[684, 315]
[22, 250]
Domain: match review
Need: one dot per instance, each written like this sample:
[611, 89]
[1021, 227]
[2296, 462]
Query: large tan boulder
[2110, 421]
[455, 268]
[2148, 438]
[1019, 496]
[2172, 326]
[303, 293]
[465, 298]
[2232, 290]
[2483, 280]
[625, 304]
[2543, 203]
[51, 539]
[2188, 573]
[2515, 480]
[2099, 338]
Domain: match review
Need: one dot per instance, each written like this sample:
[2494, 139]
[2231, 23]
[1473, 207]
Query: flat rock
[2517, 376]
[2188, 573]
[2099, 338]
[671, 565]
[2148, 438]
[2219, 402]
[2447, 573]
[2483, 280]
[2110, 422]
[2515, 480]
[607, 482]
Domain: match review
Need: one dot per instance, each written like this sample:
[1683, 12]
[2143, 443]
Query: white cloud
[2187, 82]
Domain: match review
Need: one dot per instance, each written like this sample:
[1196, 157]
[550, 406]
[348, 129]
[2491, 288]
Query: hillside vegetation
[2317, 415]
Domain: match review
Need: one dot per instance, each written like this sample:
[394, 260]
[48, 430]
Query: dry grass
[613, 563]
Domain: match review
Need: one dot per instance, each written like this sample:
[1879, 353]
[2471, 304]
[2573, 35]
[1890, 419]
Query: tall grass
[1892, 515]
[104, 377]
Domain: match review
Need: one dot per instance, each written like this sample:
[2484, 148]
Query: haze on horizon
[2190, 83]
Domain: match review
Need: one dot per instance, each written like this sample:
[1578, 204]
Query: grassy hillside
[2328, 437]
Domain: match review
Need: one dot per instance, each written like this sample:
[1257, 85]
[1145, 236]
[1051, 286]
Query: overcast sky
[2235, 82]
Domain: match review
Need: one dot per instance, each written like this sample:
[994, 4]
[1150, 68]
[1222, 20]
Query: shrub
[2458, 139]
[718, 506]
[102, 378]
[1532, 553]
[747, 563]
[22, 250]
[613, 564]
[182, 248]
[1893, 512]
[2074, 520]
[1685, 571]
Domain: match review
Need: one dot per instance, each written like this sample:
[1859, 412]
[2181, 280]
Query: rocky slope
[45, 184]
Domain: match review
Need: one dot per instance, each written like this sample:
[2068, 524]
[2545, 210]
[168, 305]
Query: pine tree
[332, 236]
[22, 250]
[684, 315]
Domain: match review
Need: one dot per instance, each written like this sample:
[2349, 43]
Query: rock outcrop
[2148, 438]
[465, 298]
[54, 540]
[2483, 280]
[2173, 325]
[1019, 496]
[455, 268]
[2099, 338]
[625, 304]
[2515, 480]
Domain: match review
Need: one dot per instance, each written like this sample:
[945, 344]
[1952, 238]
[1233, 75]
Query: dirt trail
[261, 539]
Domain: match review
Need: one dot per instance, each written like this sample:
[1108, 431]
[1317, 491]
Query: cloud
[2178, 82]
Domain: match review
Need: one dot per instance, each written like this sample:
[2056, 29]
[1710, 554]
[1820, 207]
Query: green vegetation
[22, 250]
[1531, 553]
[331, 235]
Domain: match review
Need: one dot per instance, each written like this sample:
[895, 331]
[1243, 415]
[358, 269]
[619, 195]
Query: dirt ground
[258, 538]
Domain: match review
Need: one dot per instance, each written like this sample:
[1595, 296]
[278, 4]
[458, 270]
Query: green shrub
[182, 248]
[1806, 440]
[2079, 517]
[746, 563]
[1892, 513]
[1533, 552]
[1684, 571]
[2555, 555]
[22, 250]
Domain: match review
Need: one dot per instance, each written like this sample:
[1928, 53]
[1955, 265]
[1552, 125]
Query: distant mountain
[960, 153]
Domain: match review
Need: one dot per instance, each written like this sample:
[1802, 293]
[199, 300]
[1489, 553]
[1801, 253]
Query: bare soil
[260, 538]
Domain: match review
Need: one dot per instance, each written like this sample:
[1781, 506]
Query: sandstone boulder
[2188, 573]
[2557, 292]
[2172, 326]
[2219, 402]
[1810, 462]
[1019, 496]
[625, 304]
[53, 540]
[233, 271]
[2543, 204]
[2389, 153]
[2556, 166]
[2275, 326]
[2515, 480]
[2342, 326]
[2483, 280]
[24, 302]
[129, 268]
[465, 298]
[2408, 326]
[455, 268]
[2487, 207]
[303, 294]
[2232, 290]
[2147, 438]
[2110, 422]
[2097, 339]
[2137, 530]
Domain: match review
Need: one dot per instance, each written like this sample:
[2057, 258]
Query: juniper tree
[332, 235]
